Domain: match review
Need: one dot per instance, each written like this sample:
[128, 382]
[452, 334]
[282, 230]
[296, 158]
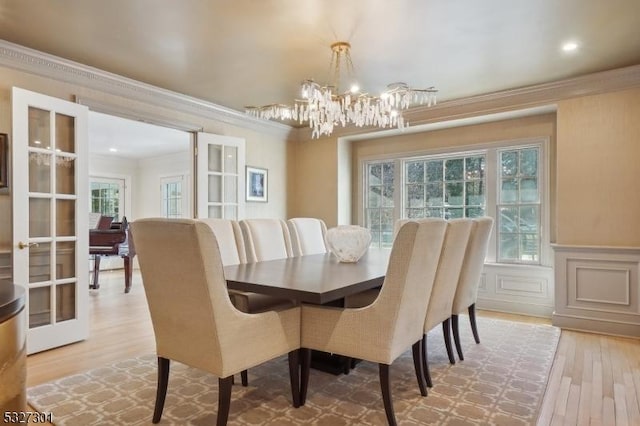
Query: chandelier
[324, 107]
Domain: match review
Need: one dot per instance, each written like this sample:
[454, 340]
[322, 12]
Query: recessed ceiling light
[113, 150]
[570, 46]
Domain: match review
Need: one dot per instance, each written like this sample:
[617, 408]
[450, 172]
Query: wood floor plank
[573, 403]
[620, 404]
[584, 409]
[633, 410]
[596, 392]
[608, 412]
[563, 396]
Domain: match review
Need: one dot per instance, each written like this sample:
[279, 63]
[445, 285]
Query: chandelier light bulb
[324, 107]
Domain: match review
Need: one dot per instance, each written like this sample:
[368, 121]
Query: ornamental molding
[45, 65]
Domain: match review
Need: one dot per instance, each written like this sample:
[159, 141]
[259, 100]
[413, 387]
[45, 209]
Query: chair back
[266, 239]
[230, 240]
[467, 289]
[307, 235]
[186, 291]
[449, 267]
[408, 282]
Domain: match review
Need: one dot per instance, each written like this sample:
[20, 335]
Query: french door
[220, 176]
[50, 217]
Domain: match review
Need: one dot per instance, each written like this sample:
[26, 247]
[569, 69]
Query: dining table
[319, 279]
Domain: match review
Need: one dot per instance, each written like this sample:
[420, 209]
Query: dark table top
[12, 300]
[318, 278]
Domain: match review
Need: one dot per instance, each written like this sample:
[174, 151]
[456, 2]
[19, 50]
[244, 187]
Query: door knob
[23, 246]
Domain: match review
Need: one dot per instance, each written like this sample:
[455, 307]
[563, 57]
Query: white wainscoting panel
[518, 289]
[597, 289]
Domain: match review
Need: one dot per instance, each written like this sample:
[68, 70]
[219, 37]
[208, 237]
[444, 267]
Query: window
[107, 196]
[379, 210]
[173, 197]
[518, 221]
[503, 181]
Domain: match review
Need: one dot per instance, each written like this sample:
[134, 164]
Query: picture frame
[4, 160]
[257, 182]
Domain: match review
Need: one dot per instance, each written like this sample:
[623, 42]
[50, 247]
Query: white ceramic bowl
[348, 242]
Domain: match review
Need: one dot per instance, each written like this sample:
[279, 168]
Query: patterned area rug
[500, 382]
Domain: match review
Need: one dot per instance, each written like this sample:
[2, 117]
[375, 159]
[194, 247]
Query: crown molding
[45, 65]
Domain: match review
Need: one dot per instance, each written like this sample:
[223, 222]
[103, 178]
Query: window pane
[509, 163]
[508, 219]
[529, 162]
[415, 196]
[454, 169]
[375, 174]
[529, 219]
[373, 219]
[453, 213]
[375, 196]
[415, 213]
[475, 212]
[509, 247]
[474, 193]
[509, 191]
[529, 190]
[415, 172]
[434, 171]
[474, 167]
[529, 247]
[435, 213]
[387, 195]
[387, 173]
[454, 194]
[434, 194]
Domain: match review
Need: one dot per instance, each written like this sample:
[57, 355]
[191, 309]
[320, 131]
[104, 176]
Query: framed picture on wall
[257, 184]
[4, 153]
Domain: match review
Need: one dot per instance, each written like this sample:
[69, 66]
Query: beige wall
[263, 149]
[599, 170]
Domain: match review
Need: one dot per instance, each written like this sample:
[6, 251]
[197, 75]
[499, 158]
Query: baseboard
[600, 326]
[512, 307]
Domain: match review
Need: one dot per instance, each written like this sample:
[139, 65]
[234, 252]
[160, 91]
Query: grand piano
[111, 239]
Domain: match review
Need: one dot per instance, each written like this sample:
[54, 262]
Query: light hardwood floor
[595, 379]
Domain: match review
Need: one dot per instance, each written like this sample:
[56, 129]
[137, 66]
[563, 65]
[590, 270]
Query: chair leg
[385, 385]
[456, 336]
[474, 326]
[425, 362]
[305, 364]
[245, 378]
[417, 365]
[128, 274]
[294, 376]
[161, 391]
[96, 271]
[224, 399]
[446, 331]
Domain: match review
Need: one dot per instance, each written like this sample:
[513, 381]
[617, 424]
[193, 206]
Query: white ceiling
[248, 52]
[133, 139]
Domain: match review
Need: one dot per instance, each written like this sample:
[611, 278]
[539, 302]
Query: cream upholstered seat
[266, 239]
[467, 290]
[193, 319]
[444, 287]
[232, 252]
[383, 330]
[307, 235]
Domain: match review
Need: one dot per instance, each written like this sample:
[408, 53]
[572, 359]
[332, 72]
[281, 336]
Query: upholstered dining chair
[232, 252]
[307, 235]
[444, 287]
[467, 290]
[193, 319]
[382, 331]
[266, 239]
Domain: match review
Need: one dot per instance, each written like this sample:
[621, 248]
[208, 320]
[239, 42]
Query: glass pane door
[50, 223]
